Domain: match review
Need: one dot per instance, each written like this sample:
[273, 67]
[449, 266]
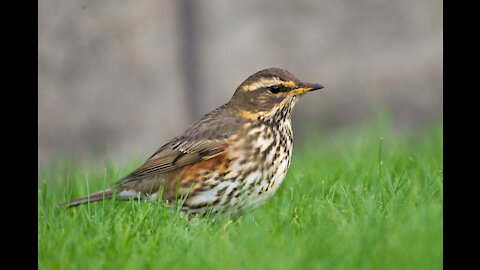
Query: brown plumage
[231, 160]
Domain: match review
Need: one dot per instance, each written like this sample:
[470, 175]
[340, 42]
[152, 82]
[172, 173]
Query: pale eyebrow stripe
[263, 83]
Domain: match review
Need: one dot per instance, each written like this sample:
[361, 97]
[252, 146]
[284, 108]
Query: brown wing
[205, 139]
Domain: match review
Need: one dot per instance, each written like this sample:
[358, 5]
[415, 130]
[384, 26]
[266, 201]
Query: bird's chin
[296, 98]
[293, 101]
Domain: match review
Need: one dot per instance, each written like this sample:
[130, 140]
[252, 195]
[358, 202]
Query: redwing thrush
[231, 160]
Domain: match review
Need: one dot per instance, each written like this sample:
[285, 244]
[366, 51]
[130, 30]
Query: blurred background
[119, 78]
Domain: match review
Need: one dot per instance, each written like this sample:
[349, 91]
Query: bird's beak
[306, 87]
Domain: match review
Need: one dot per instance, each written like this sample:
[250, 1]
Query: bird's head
[269, 92]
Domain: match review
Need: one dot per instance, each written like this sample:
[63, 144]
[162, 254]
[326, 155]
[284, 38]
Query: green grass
[368, 198]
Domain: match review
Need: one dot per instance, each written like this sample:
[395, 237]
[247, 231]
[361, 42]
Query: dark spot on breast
[230, 195]
[221, 191]
[251, 187]
[216, 201]
[274, 158]
[267, 151]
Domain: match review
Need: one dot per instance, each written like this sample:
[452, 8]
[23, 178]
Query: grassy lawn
[368, 198]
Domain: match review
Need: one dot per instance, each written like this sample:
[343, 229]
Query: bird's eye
[275, 89]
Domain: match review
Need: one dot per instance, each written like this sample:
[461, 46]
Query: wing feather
[205, 139]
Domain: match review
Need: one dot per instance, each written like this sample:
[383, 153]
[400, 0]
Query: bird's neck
[274, 116]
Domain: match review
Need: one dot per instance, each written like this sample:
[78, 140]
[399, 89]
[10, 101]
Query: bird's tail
[93, 197]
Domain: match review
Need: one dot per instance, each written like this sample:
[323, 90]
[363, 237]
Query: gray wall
[115, 77]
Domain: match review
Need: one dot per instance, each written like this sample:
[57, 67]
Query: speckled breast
[259, 163]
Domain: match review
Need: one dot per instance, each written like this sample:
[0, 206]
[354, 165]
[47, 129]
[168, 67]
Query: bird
[232, 160]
